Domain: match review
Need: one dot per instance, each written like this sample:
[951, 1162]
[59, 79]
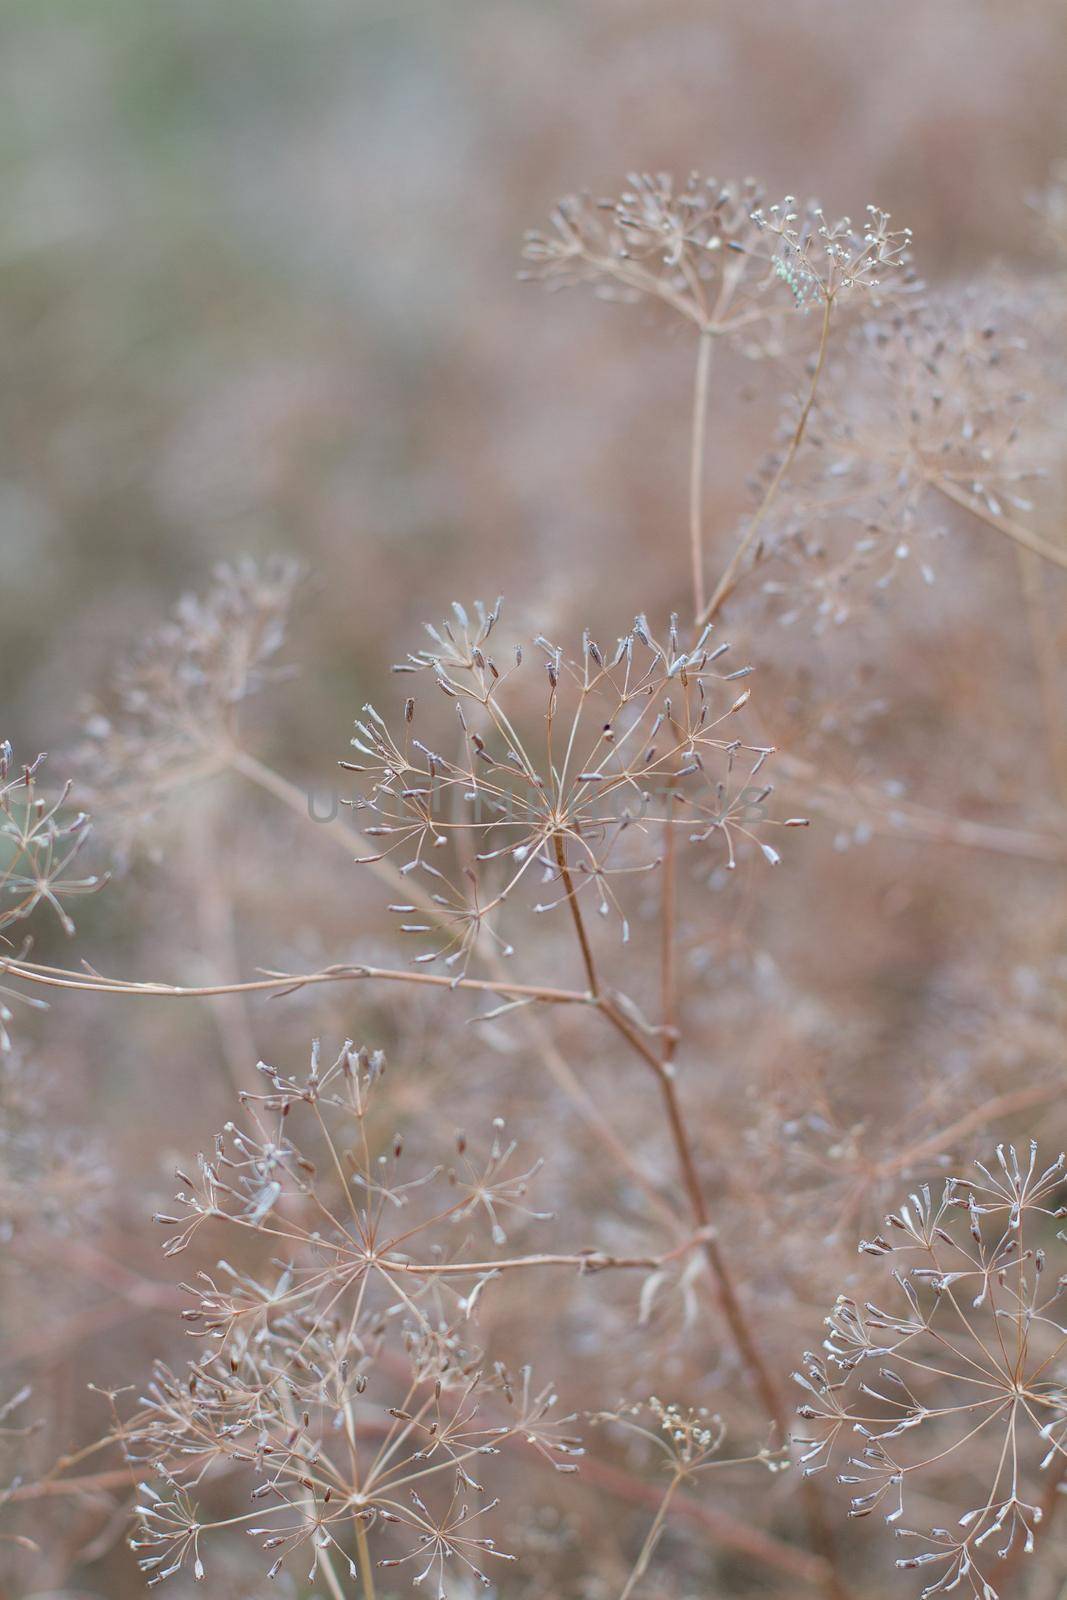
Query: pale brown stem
[1001, 1105]
[652, 1538]
[1011, 530]
[721, 1525]
[696, 468]
[322, 1557]
[218, 941]
[282, 982]
[576, 915]
[87, 1483]
[728, 582]
[366, 1570]
[751, 1356]
[586, 1261]
[668, 941]
[664, 1072]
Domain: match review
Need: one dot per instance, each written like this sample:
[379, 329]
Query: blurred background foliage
[259, 289]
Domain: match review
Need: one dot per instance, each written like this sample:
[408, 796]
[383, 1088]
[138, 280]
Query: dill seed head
[639, 737]
[349, 1341]
[955, 1384]
[175, 702]
[40, 839]
[716, 253]
[921, 420]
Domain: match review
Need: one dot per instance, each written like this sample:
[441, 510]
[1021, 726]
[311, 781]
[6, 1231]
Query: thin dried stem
[280, 983]
[322, 1556]
[728, 582]
[366, 1569]
[1005, 525]
[1000, 1105]
[576, 915]
[705, 345]
[668, 940]
[652, 1538]
[723, 1527]
[336, 827]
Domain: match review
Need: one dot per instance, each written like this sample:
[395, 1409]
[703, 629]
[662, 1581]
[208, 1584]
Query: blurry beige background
[259, 280]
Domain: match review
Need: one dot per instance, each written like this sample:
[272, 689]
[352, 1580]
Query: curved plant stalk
[728, 582]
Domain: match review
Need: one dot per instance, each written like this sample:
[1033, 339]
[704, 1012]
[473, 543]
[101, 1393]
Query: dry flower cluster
[558, 831]
[972, 1345]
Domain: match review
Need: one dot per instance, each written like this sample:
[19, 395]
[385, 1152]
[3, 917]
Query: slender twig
[751, 1356]
[576, 915]
[322, 1555]
[668, 937]
[335, 826]
[1001, 1105]
[652, 1538]
[728, 582]
[664, 1071]
[1005, 525]
[696, 467]
[214, 909]
[585, 1261]
[281, 983]
[366, 1569]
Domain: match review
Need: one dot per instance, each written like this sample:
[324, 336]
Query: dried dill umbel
[716, 253]
[42, 836]
[926, 426]
[629, 740]
[339, 1378]
[732, 267]
[172, 713]
[685, 1442]
[955, 1374]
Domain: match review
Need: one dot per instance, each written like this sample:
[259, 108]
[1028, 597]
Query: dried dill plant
[40, 840]
[921, 418]
[630, 741]
[958, 1386]
[732, 266]
[687, 1442]
[338, 1377]
[176, 701]
[714, 252]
